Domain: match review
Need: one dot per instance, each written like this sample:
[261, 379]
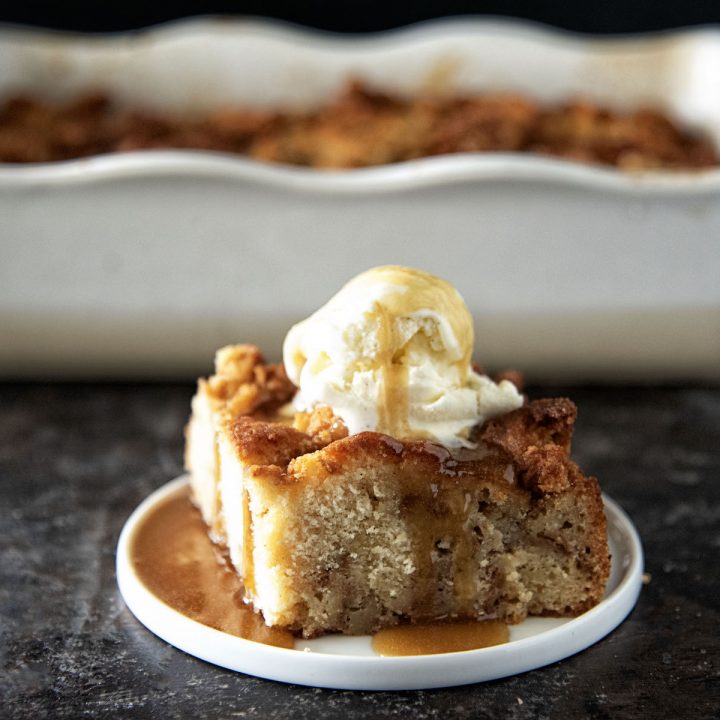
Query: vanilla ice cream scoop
[391, 352]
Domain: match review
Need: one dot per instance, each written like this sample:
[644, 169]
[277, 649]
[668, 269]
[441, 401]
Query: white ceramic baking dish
[144, 263]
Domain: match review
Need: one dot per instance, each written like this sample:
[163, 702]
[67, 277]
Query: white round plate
[349, 663]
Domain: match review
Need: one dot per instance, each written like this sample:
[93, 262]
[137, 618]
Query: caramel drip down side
[393, 399]
[218, 525]
[248, 547]
[445, 535]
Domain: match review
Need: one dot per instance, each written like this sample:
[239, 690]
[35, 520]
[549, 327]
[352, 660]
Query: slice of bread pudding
[333, 532]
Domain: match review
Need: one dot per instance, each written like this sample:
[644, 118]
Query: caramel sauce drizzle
[248, 546]
[417, 291]
[393, 400]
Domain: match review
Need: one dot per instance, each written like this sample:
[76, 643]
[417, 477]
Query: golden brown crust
[420, 461]
[541, 422]
[535, 438]
[259, 442]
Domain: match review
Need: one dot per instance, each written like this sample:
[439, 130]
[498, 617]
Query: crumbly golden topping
[322, 424]
[246, 384]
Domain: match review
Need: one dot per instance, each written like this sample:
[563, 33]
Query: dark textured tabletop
[76, 459]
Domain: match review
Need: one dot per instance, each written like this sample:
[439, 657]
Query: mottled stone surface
[76, 459]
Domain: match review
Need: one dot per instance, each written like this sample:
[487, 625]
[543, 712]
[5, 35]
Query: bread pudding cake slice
[333, 532]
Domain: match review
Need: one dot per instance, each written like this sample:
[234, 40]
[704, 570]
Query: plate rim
[350, 672]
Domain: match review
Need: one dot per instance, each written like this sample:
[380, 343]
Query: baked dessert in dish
[361, 126]
[398, 484]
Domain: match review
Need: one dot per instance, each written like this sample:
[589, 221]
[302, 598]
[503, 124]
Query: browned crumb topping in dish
[360, 127]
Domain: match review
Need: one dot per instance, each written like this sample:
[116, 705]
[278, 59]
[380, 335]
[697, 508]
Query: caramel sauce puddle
[175, 559]
[436, 638]
[177, 562]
